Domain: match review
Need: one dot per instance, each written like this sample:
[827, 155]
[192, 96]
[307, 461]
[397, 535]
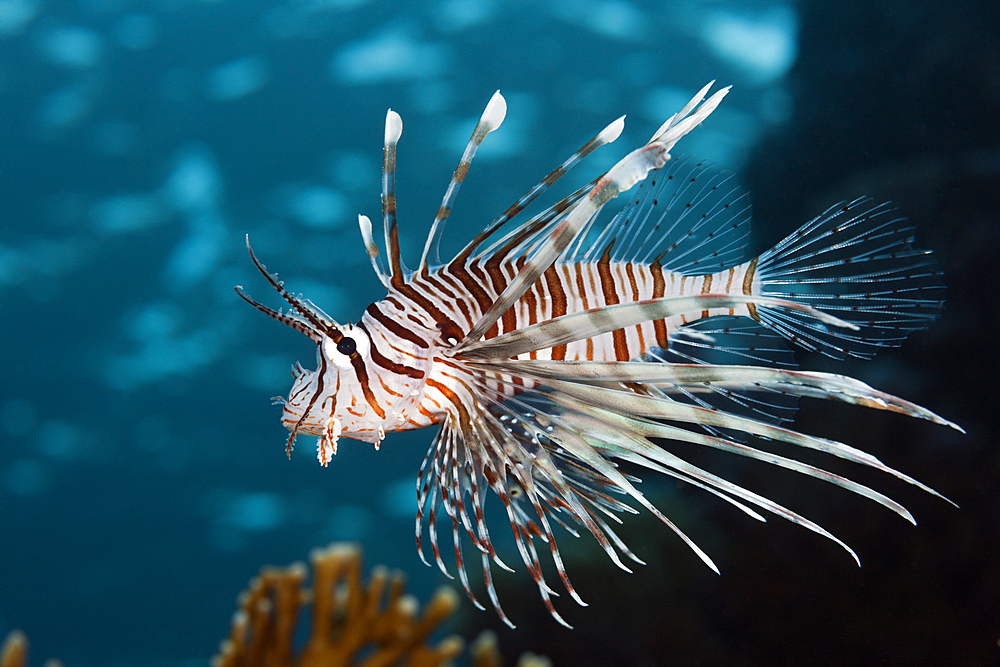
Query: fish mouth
[293, 421]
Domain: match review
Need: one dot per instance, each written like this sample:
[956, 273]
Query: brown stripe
[435, 281]
[497, 279]
[448, 326]
[557, 297]
[386, 388]
[631, 281]
[362, 374]
[748, 287]
[472, 277]
[499, 282]
[463, 415]
[394, 326]
[386, 363]
[729, 286]
[607, 281]
[581, 289]
[629, 270]
[659, 289]
[611, 298]
[472, 284]
[706, 288]
[528, 297]
[451, 281]
[320, 378]
[306, 385]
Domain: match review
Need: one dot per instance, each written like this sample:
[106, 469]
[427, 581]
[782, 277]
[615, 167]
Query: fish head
[336, 399]
[355, 391]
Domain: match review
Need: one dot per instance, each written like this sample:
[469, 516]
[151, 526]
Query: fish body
[549, 350]
[406, 341]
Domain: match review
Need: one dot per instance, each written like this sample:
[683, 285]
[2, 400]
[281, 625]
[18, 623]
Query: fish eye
[347, 345]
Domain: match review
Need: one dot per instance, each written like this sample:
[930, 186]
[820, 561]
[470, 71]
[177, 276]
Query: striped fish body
[462, 294]
[407, 344]
[551, 350]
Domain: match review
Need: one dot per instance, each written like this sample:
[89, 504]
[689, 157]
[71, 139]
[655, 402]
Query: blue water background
[143, 478]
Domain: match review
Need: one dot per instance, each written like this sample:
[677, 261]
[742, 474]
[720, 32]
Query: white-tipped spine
[696, 99]
[681, 123]
[612, 131]
[495, 112]
[365, 223]
[393, 127]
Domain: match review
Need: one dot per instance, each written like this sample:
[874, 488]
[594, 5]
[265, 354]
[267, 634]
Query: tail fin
[854, 261]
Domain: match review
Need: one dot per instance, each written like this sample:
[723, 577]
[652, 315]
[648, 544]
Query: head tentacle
[307, 318]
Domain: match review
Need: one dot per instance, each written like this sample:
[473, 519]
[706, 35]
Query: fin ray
[856, 260]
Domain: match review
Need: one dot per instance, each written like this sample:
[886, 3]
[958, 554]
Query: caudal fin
[855, 261]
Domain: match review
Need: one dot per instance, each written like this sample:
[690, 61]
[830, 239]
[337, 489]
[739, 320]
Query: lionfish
[551, 350]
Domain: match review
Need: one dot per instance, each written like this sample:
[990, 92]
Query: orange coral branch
[352, 624]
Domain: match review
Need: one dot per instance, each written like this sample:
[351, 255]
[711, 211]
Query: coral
[351, 623]
[14, 651]
[485, 652]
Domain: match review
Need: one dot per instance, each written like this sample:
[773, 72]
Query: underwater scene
[144, 478]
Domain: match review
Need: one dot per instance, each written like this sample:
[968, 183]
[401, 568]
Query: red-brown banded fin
[491, 119]
[393, 130]
[606, 136]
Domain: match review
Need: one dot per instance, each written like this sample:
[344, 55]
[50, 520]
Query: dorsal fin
[491, 119]
[365, 223]
[689, 216]
[566, 227]
[605, 136]
[393, 128]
